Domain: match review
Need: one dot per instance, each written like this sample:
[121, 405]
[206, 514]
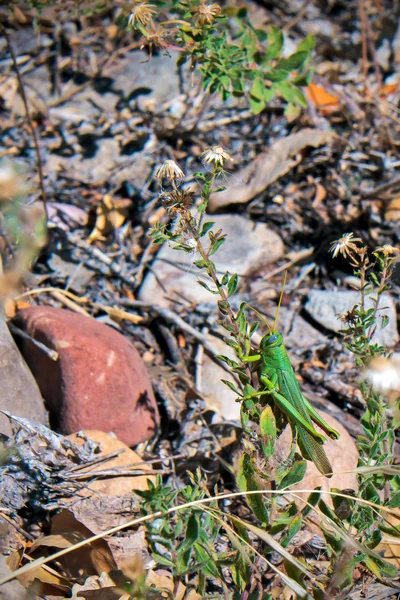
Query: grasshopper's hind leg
[316, 417]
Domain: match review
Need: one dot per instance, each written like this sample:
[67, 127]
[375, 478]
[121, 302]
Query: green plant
[187, 543]
[378, 482]
[232, 56]
[354, 526]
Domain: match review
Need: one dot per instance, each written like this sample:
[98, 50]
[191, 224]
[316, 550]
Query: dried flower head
[383, 374]
[387, 250]
[177, 201]
[206, 13]
[142, 14]
[345, 245]
[216, 156]
[169, 170]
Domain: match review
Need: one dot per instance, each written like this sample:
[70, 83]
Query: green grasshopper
[278, 381]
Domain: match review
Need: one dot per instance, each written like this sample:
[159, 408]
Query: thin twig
[29, 121]
[48, 351]
[364, 40]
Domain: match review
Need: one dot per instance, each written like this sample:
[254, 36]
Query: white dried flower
[216, 155]
[169, 170]
[383, 374]
[344, 245]
[142, 14]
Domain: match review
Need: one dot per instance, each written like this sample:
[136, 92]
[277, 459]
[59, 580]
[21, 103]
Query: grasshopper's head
[271, 340]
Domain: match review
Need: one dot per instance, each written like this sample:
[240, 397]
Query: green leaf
[231, 386]
[291, 93]
[268, 430]
[162, 560]
[231, 363]
[307, 44]
[269, 93]
[257, 89]
[206, 227]
[257, 106]
[204, 285]
[275, 43]
[312, 500]
[380, 567]
[295, 474]
[292, 111]
[232, 285]
[201, 263]
[293, 62]
[293, 529]
[276, 75]
[215, 245]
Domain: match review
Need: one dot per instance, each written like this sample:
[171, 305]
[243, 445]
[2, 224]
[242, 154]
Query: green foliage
[232, 56]
[187, 542]
[263, 423]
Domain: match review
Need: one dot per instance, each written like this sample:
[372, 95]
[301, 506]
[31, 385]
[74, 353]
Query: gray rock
[247, 249]
[19, 393]
[325, 306]
[218, 397]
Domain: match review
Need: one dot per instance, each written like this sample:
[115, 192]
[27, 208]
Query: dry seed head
[142, 14]
[345, 245]
[206, 13]
[169, 170]
[216, 156]
[388, 250]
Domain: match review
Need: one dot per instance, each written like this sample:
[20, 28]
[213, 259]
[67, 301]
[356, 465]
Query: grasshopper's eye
[271, 339]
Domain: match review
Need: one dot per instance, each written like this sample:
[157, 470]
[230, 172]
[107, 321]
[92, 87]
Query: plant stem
[29, 120]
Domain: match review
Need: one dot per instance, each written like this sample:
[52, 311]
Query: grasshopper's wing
[309, 447]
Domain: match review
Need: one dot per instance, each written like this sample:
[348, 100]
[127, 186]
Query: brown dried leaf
[162, 580]
[392, 212]
[111, 215]
[114, 485]
[269, 166]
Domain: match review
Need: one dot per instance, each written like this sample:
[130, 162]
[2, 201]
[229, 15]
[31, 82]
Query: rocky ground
[129, 337]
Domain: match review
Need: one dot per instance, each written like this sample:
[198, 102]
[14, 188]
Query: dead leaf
[269, 166]
[320, 195]
[390, 545]
[114, 485]
[392, 212]
[111, 215]
[91, 559]
[323, 100]
[11, 307]
[162, 580]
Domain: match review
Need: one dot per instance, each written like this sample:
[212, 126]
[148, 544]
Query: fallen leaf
[162, 580]
[392, 212]
[323, 100]
[389, 545]
[269, 166]
[111, 215]
[114, 485]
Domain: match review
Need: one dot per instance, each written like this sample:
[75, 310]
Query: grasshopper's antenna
[280, 301]
[261, 317]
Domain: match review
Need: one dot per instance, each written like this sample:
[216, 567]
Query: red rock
[99, 382]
